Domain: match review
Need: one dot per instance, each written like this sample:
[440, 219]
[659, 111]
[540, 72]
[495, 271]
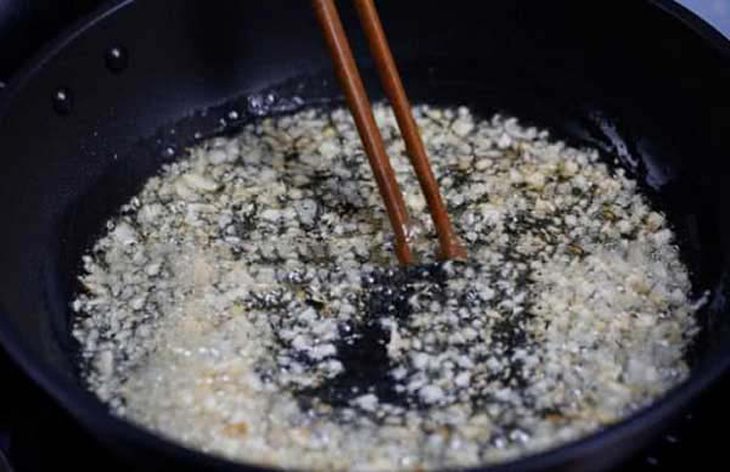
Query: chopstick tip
[454, 250]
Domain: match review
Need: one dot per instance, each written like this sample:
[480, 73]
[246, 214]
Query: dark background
[717, 12]
[37, 436]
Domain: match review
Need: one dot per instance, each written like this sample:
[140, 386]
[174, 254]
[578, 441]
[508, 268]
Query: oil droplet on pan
[62, 101]
[169, 152]
[116, 59]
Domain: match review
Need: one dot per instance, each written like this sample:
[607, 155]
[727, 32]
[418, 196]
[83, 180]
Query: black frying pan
[93, 115]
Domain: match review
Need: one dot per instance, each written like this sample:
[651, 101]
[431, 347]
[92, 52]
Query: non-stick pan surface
[123, 92]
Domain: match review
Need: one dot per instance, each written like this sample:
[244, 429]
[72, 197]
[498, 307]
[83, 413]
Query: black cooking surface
[36, 435]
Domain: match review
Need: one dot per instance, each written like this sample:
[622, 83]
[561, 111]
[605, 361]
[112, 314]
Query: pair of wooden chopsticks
[359, 104]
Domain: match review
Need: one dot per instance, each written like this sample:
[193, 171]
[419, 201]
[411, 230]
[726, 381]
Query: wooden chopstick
[351, 82]
[450, 246]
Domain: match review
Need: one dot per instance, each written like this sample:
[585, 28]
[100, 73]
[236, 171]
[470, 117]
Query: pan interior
[657, 102]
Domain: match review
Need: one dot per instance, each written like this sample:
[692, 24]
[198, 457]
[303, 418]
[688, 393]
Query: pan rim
[90, 411]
